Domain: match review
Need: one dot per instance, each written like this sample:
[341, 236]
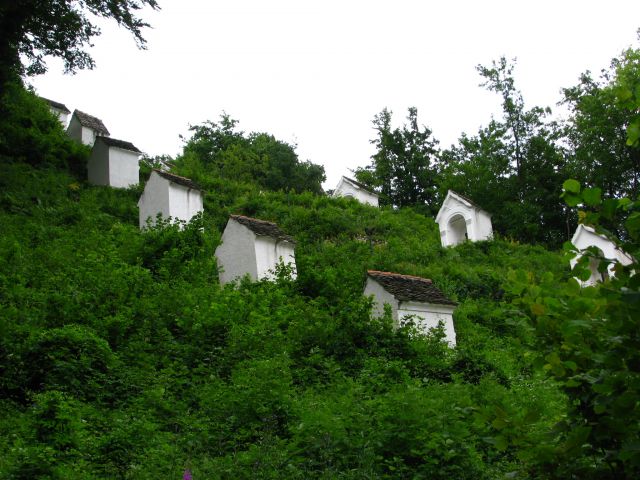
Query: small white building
[460, 219]
[586, 237]
[347, 187]
[60, 110]
[411, 296]
[86, 128]
[171, 196]
[254, 247]
[114, 163]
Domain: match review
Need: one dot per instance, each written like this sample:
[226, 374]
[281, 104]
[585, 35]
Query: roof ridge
[262, 227]
[400, 275]
[179, 179]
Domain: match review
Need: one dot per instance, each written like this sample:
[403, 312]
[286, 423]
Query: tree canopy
[35, 29]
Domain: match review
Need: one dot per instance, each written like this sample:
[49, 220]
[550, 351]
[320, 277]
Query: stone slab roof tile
[408, 288]
[262, 227]
[60, 106]
[90, 121]
[184, 181]
[112, 142]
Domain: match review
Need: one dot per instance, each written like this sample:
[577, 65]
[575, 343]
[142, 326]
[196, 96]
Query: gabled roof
[90, 121]
[262, 227]
[184, 181]
[359, 185]
[461, 198]
[57, 105]
[409, 288]
[112, 142]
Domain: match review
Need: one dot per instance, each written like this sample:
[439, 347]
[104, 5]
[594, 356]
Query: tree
[404, 167]
[589, 344]
[35, 29]
[513, 168]
[596, 135]
[224, 151]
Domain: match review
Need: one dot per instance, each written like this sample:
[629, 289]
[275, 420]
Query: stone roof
[60, 106]
[184, 181]
[262, 227]
[359, 185]
[112, 142]
[90, 121]
[407, 288]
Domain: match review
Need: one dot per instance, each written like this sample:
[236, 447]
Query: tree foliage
[404, 166]
[37, 29]
[219, 149]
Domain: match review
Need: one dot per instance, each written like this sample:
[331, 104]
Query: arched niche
[456, 229]
[459, 219]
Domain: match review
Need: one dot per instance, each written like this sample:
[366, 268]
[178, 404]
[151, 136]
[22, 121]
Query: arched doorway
[457, 230]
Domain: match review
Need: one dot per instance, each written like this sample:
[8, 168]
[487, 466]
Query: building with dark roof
[58, 109]
[349, 188]
[114, 163]
[86, 128]
[255, 248]
[169, 196]
[460, 219]
[411, 298]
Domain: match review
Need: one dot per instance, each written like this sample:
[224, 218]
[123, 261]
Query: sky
[315, 73]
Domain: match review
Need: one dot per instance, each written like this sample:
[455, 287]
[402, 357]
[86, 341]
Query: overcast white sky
[315, 72]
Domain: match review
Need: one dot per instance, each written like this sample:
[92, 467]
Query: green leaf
[609, 207]
[571, 185]
[592, 196]
[633, 224]
[571, 199]
[633, 133]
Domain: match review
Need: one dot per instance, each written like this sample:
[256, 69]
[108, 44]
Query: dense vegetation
[121, 356]
[515, 165]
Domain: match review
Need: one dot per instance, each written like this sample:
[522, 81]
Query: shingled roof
[262, 227]
[184, 181]
[407, 288]
[359, 185]
[90, 121]
[112, 142]
[60, 106]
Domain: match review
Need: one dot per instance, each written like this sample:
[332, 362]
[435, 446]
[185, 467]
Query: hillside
[123, 357]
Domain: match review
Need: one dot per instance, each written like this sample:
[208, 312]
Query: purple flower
[187, 475]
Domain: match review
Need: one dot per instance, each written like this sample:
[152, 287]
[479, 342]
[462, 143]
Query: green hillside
[122, 357]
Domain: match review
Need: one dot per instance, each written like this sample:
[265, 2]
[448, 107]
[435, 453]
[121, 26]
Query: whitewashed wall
[236, 254]
[184, 202]
[380, 297]
[98, 165]
[161, 196]
[269, 252]
[124, 167]
[585, 237]
[457, 217]
[347, 189]
[427, 316]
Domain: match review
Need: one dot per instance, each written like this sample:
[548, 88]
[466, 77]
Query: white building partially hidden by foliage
[86, 128]
[114, 163]
[460, 219]
[170, 196]
[350, 188]
[253, 247]
[411, 297]
[60, 110]
[586, 237]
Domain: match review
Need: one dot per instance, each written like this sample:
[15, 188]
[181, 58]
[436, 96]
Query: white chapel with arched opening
[460, 219]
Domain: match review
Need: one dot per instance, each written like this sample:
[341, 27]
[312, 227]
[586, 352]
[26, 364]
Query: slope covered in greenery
[122, 357]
